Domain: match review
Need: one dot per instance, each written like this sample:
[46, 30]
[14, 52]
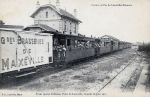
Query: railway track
[128, 81]
[125, 88]
[104, 86]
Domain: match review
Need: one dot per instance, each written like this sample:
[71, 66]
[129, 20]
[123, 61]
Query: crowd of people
[60, 50]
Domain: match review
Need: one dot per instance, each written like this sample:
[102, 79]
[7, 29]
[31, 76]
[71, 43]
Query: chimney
[75, 12]
[37, 5]
[57, 5]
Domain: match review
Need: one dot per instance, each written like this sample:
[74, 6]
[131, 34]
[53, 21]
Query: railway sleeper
[26, 72]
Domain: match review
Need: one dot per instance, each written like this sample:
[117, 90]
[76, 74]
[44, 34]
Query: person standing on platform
[64, 51]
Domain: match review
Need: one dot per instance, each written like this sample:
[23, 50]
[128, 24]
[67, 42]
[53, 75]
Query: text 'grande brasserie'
[20, 40]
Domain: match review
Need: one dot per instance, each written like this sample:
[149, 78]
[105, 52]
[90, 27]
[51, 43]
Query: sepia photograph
[71, 48]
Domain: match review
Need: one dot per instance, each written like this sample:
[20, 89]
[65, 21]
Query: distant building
[138, 43]
[14, 27]
[56, 18]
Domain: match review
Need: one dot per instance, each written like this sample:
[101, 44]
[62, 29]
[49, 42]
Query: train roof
[76, 37]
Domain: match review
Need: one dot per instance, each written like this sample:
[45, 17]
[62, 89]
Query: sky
[127, 23]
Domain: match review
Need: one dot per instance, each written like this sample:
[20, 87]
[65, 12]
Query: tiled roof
[42, 26]
[61, 12]
[67, 14]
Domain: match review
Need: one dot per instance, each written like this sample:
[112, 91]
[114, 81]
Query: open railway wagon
[114, 42]
[70, 48]
[102, 46]
[125, 45]
[121, 45]
[129, 45]
[108, 44]
[23, 52]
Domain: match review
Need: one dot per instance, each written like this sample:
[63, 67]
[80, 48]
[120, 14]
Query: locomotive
[24, 52]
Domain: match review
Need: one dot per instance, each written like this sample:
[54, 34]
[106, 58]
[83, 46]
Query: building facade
[56, 18]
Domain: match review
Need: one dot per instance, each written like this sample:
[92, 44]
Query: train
[23, 53]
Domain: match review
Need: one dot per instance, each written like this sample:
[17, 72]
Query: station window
[70, 26]
[65, 26]
[60, 26]
[46, 14]
[75, 26]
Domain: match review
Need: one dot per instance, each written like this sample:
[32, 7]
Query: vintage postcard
[71, 48]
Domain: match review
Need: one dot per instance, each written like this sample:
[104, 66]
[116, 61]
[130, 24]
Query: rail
[116, 76]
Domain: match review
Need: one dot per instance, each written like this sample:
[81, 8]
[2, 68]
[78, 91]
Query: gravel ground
[133, 80]
[147, 83]
[87, 76]
[120, 82]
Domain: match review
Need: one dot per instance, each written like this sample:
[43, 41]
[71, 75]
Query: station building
[56, 18]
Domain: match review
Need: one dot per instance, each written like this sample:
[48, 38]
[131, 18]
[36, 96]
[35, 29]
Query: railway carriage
[24, 51]
[106, 46]
[70, 48]
[109, 44]
[129, 45]
[124, 45]
[120, 45]
[115, 45]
